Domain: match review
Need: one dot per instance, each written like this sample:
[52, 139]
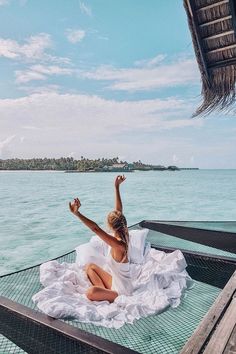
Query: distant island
[69, 164]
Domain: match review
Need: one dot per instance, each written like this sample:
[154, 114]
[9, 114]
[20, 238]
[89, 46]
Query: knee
[90, 293]
[90, 266]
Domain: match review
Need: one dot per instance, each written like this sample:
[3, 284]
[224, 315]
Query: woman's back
[121, 277]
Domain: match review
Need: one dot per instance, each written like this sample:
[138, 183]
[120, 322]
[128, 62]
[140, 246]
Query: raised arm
[110, 240]
[118, 202]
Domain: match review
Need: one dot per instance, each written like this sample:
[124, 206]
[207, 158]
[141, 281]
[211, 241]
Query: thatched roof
[213, 28]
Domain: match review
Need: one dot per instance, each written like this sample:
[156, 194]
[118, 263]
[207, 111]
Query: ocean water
[36, 225]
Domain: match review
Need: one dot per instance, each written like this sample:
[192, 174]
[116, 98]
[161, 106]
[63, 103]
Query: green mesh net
[164, 333]
[7, 347]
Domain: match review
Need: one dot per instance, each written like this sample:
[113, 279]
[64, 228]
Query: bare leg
[94, 278]
[98, 276]
[96, 293]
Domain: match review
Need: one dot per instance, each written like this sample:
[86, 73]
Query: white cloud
[39, 89]
[154, 130]
[40, 72]
[149, 63]
[30, 127]
[55, 124]
[85, 9]
[33, 49]
[154, 74]
[6, 141]
[75, 35]
[51, 70]
[56, 110]
[26, 76]
[36, 46]
[4, 146]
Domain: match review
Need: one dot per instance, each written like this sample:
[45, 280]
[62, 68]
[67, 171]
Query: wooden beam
[207, 7]
[233, 12]
[231, 345]
[219, 64]
[221, 49]
[60, 329]
[200, 336]
[189, 8]
[222, 240]
[223, 331]
[219, 35]
[192, 9]
[215, 21]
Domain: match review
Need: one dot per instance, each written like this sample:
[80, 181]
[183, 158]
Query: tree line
[61, 164]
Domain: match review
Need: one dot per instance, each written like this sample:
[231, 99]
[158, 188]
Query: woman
[107, 286]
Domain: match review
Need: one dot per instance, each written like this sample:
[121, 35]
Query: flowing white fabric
[158, 283]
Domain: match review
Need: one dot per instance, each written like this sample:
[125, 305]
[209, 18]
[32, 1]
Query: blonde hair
[117, 222]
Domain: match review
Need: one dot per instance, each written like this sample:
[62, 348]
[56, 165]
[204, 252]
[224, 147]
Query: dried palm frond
[212, 27]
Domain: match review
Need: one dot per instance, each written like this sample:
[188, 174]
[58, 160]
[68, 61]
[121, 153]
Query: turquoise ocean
[36, 225]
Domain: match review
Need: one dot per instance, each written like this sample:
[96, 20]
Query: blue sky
[105, 78]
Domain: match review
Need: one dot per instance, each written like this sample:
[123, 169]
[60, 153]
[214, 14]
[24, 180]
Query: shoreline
[130, 171]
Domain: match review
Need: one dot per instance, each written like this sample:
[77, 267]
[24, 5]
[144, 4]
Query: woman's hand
[74, 207]
[110, 240]
[119, 179]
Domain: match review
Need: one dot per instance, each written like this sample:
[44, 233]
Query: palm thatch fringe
[220, 94]
[214, 49]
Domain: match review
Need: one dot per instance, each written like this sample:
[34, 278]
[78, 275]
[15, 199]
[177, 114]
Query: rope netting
[7, 347]
[164, 333]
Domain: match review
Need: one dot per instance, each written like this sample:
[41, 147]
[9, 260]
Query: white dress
[121, 275]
